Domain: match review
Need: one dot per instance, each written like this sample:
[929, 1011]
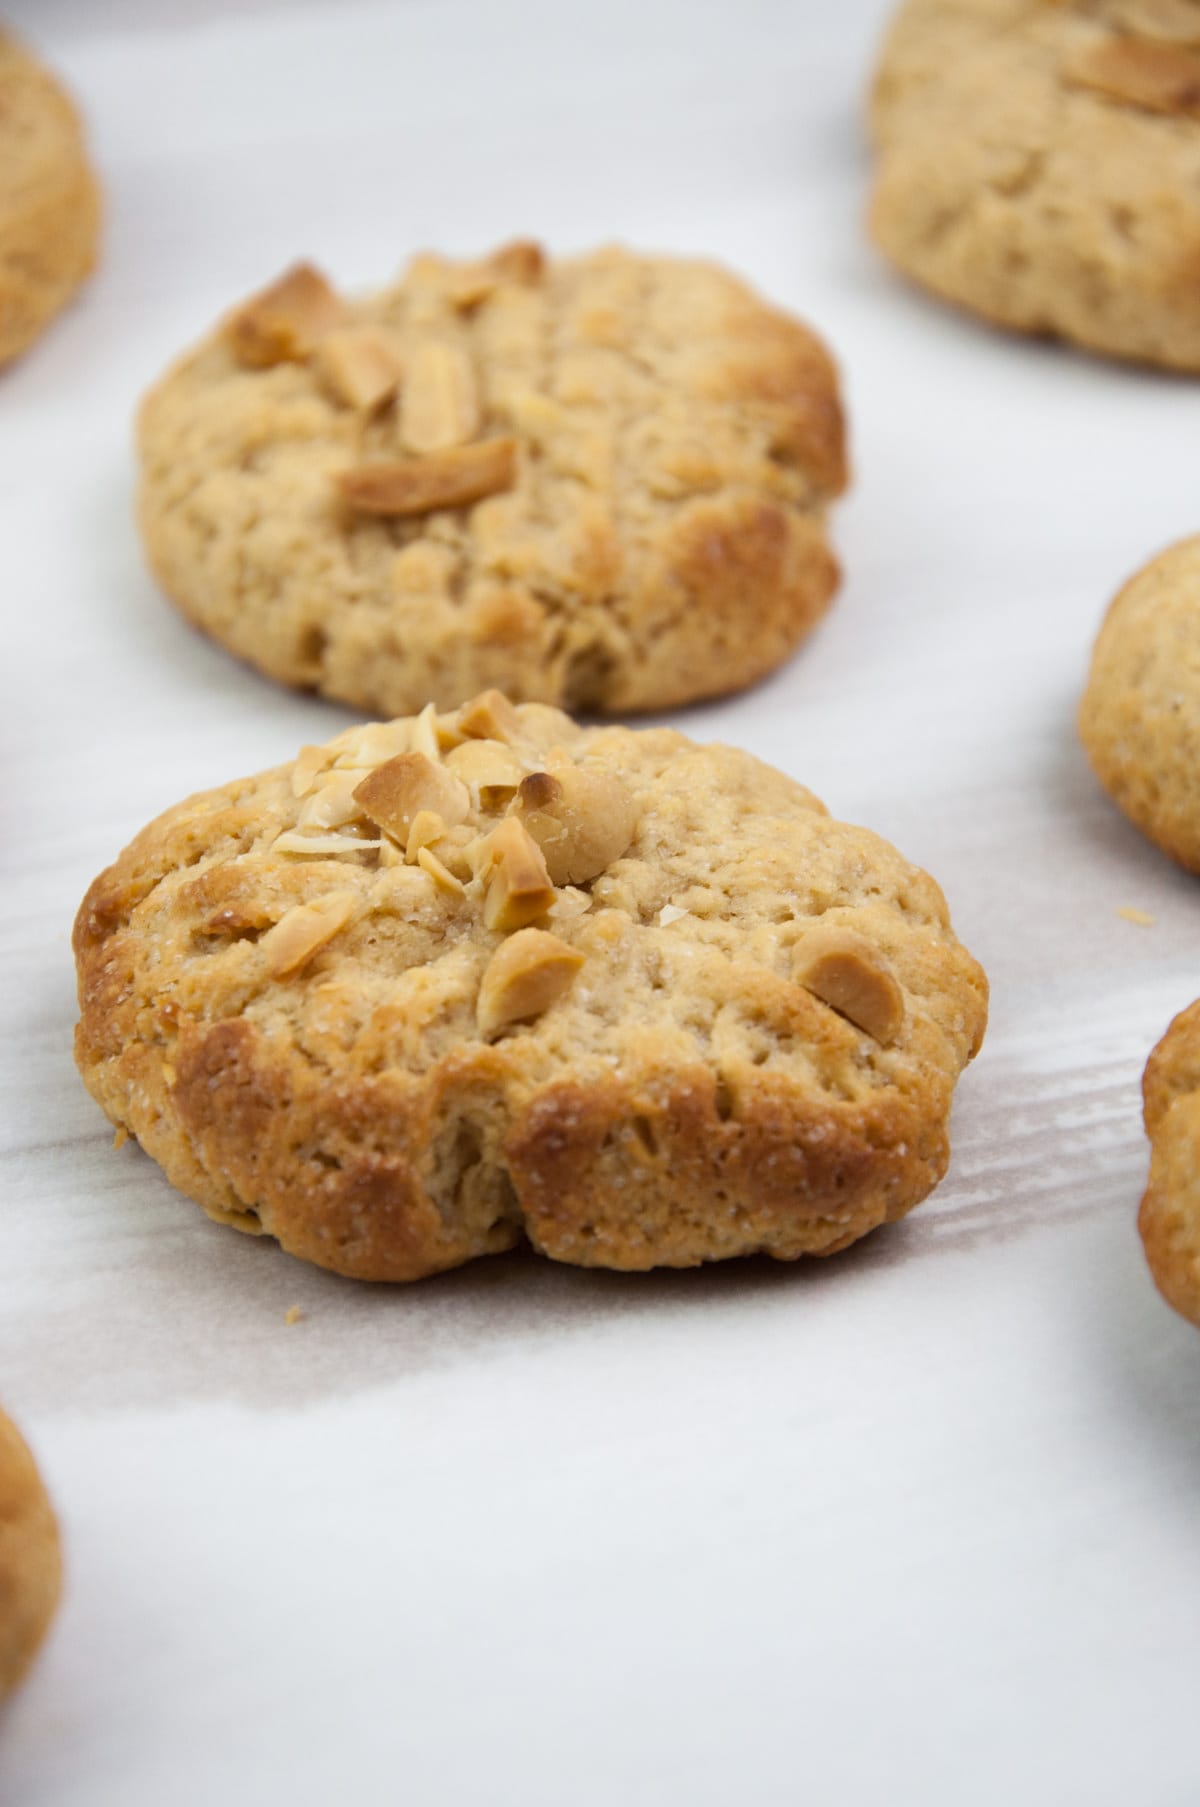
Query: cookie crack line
[601, 481]
[467, 977]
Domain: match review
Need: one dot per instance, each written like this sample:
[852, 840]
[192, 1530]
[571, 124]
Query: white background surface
[916, 1525]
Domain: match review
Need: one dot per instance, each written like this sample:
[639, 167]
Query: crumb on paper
[120, 1136]
[292, 1315]
[1143, 918]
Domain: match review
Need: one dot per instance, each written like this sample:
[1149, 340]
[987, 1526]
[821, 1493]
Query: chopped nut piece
[360, 749]
[1160, 78]
[520, 262]
[427, 827]
[304, 930]
[527, 973]
[518, 884]
[425, 734]
[394, 794]
[853, 978]
[489, 769]
[568, 904]
[312, 761]
[441, 875]
[361, 365]
[1143, 918]
[582, 820]
[438, 407]
[331, 803]
[668, 914]
[450, 479]
[454, 849]
[320, 845]
[120, 1136]
[286, 321]
[490, 716]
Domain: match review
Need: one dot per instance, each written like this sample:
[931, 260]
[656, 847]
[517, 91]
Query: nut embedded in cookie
[355, 1005]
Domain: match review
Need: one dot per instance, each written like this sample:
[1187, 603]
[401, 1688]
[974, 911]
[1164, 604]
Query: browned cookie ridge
[599, 482]
[49, 202]
[1039, 163]
[1169, 1219]
[30, 1564]
[455, 981]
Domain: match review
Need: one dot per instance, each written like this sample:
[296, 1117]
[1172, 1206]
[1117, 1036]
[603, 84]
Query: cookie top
[1169, 1219]
[49, 205]
[598, 482]
[1039, 163]
[30, 1564]
[1140, 714]
[456, 980]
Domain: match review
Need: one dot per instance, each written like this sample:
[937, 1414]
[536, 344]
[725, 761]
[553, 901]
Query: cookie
[453, 982]
[1037, 164]
[1169, 1219]
[49, 202]
[599, 482]
[1140, 714]
[30, 1564]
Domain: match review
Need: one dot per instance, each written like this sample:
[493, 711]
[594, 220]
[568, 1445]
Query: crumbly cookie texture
[49, 202]
[1169, 1219]
[599, 482]
[1039, 164]
[30, 1563]
[458, 980]
[1140, 714]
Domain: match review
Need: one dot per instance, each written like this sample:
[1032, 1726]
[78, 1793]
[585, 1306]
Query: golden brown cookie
[1039, 164]
[1140, 714]
[49, 203]
[450, 982]
[30, 1564]
[598, 482]
[1169, 1219]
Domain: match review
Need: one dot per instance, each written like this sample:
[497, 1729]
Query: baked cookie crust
[1169, 1219]
[30, 1561]
[450, 983]
[1140, 714]
[1039, 164]
[599, 482]
[49, 201]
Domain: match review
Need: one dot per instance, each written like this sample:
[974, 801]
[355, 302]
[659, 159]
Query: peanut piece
[582, 820]
[331, 803]
[489, 716]
[450, 479]
[442, 877]
[305, 929]
[362, 365]
[1159, 78]
[520, 262]
[527, 973]
[518, 885]
[285, 322]
[438, 407]
[853, 978]
[393, 795]
[427, 827]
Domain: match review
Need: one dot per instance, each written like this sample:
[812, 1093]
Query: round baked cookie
[599, 482]
[30, 1563]
[1169, 1219]
[1140, 714]
[1039, 164]
[49, 203]
[450, 982]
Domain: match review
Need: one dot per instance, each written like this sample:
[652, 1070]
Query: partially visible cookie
[1140, 714]
[49, 202]
[1039, 164]
[30, 1563]
[1169, 1219]
[599, 482]
[453, 982]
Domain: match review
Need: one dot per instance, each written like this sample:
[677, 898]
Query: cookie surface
[30, 1563]
[1039, 164]
[49, 203]
[1169, 1219]
[1140, 714]
[450, 983]
[597, 482]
